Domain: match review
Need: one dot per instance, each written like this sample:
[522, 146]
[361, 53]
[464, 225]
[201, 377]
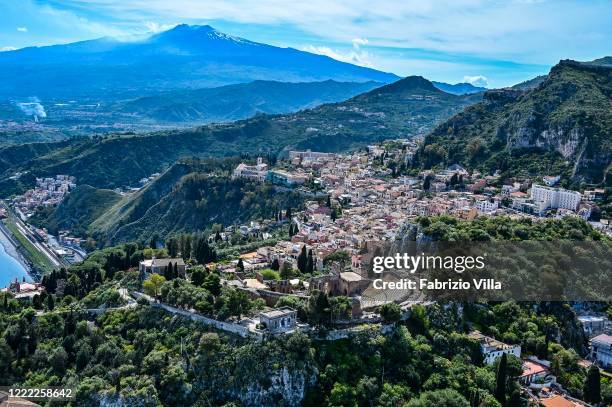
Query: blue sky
[491, 42]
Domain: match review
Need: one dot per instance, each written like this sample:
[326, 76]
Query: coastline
[13, 251]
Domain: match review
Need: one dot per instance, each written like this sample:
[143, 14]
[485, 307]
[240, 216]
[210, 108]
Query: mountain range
[185, 57]
[403, 109]
[186, 76]
[241, 101]
[458, 88]
[558, 125]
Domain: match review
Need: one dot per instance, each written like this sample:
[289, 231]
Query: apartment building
[554, 198]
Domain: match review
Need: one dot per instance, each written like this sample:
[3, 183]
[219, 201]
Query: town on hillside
[355, 199]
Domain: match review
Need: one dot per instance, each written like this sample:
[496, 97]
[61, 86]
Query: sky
[491, 43]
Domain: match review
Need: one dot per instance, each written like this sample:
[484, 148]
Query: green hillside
[80, 208]
[191, 195]
[405, 108]
[561, 126]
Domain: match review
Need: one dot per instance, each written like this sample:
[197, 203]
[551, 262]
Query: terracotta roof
[603, 339]
[558, 401]
[531, 368]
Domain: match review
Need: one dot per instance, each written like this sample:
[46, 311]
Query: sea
[10, 268]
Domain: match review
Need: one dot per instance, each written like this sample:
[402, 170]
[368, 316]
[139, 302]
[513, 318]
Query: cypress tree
[310, 262]
[427, 183]
[592, 385]
[168, 272]
[50, 303]
[302, 259]
[501, 379]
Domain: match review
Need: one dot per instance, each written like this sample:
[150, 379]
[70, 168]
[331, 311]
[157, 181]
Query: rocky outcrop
[285, 384]
[566, 119]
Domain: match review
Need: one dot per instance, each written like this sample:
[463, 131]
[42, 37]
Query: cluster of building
[536, 375]
[261, 173]
[48, 192]
[544, 198]
[23, 289]
[376, 203]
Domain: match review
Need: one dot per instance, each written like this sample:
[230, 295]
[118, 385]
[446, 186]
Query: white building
[601, 349]
[554, 198]
[593, 324]
[310, 155]
[279, 320]
[492, 348]
[487, 205]
[255, 172]
[594, 194]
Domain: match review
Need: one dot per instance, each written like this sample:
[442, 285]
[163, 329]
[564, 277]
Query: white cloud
[155, 27]
[22, 29]
[477, 80]
[355, 55]
[522, 30]
[7, 48]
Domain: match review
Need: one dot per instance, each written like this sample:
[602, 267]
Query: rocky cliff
[563, 125]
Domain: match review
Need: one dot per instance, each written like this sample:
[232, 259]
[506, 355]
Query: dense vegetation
[561, 126]
[446, 228]
[80, 208]
[192, 195]
[146, 357]
[142, 356]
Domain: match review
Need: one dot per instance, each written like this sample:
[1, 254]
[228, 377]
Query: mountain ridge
[458, 88]
[185, 57]
[400, 111]
[241, 101]
[561, 126]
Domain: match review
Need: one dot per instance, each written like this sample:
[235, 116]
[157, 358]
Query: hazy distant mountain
[240, 101]
[458, 88]
[185, 57]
